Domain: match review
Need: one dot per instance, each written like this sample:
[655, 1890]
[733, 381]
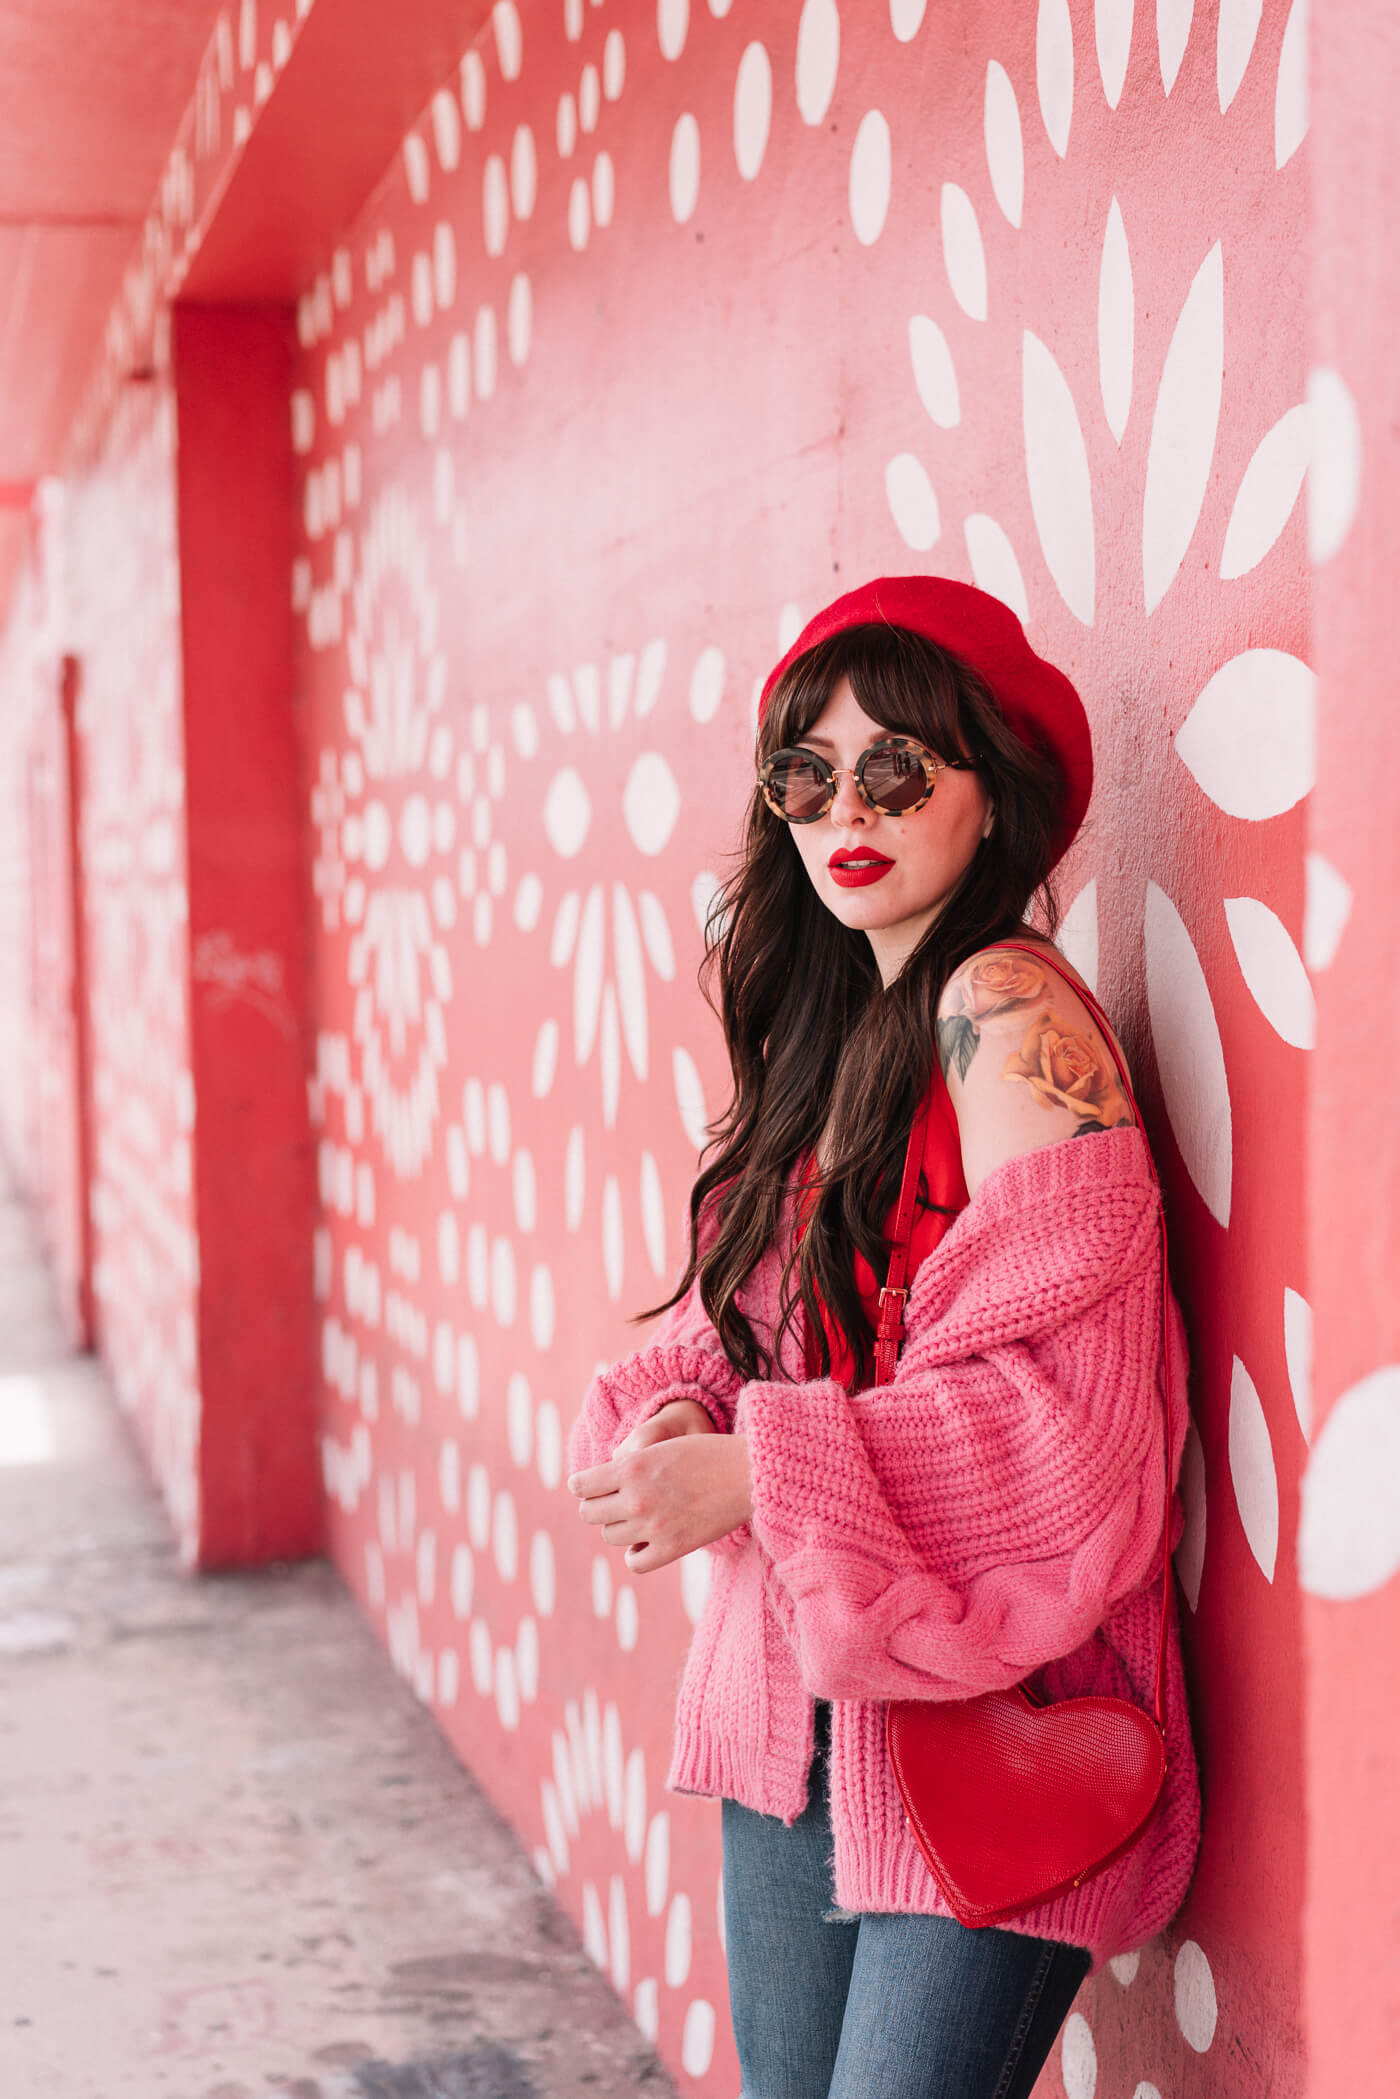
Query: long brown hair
[813, 1036]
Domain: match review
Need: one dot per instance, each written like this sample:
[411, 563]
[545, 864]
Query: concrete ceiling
[91, 92]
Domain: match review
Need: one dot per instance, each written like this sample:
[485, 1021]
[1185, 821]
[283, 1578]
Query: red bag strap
[890, 1331]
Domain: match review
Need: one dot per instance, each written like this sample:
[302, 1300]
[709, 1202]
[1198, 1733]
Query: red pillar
[258, 1476]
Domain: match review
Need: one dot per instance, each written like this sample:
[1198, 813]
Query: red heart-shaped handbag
[1026, 1800]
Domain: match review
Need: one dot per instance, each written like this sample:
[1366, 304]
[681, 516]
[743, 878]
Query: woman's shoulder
[999, 960]
[1024, 1056]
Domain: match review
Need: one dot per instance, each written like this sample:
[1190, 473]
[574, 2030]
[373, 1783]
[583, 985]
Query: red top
[943, 1174]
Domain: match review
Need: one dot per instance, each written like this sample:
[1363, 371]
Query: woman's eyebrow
[824, 741]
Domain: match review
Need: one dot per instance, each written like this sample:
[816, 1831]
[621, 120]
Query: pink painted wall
[33, 934]
[123, 586]
[1349, 1534]
[665, 324]
[44, 1146]
[655, 336]
[42, 1011]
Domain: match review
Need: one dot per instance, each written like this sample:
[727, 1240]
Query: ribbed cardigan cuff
[635, 1389]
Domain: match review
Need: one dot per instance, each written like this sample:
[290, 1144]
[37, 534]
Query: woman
[993, 1514]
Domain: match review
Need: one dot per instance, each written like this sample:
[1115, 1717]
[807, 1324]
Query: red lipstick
[856, 867]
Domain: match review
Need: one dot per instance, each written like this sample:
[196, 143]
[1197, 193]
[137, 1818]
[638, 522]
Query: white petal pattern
[1252, 1469]
[1334, 473]
[684, 173]
[869, 192]
[1273, 970]
[1079, 2062]
[753, 109]
[672, 23]
[934, 375]
[690, 1097]
[631, 979]
[1237, 25]
[1001, 126]
[1250, 739]
[651, 802]
[1298, 1355]
[1190, 1060]
[1327, 899]
[1173, 32]
[1291, 90]
[818, 58]
[963, 254]
[1116, 323]
[588, 975]
[1193, 1989]
[568, 812]
[610, 1056]
[1349, 1518]
[913, 504]
[656, 934]
[1054, 70]
[613, 1251]
[1184, 423]
[1113, 36]
[653, 1214]
[995, 568]
[1057, 470]
[1270, 488]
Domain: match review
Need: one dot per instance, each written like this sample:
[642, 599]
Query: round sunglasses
[895, 776]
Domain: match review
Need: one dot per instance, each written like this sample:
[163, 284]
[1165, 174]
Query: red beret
[1038, 701]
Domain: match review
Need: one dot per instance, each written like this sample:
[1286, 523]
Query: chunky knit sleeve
[984, 1512]
[684, 1360]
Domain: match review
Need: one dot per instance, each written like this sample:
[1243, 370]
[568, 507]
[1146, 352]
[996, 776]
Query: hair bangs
[908, 685]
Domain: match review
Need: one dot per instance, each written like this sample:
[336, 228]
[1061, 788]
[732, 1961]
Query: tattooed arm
[1025, 1061]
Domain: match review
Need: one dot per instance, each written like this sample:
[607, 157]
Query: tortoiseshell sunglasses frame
[932, 768]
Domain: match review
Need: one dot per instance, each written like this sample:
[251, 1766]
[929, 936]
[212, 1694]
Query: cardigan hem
[1091, 1916]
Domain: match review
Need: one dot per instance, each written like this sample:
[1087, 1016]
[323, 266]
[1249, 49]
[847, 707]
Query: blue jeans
[883, 2006]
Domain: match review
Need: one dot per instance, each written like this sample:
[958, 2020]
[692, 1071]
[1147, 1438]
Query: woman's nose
[848, 806]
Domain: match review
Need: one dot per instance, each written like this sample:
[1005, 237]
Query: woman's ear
[987, 826]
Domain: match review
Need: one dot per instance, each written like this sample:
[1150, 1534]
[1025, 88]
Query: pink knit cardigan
[993, 1514]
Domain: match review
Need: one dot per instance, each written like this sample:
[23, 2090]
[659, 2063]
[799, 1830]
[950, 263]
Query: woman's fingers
[594, 1480]
[601, 1508]
[625, 1532]
[620, 1531]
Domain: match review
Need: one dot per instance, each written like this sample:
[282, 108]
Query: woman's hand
[674, 1484]
[679, 1417]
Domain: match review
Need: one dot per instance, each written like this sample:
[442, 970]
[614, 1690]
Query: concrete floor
[237, 1860]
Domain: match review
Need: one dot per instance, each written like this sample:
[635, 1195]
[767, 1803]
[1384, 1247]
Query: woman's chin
[887, 923]
[876, 906]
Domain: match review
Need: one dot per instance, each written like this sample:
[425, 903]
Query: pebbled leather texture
[1029, 1799]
